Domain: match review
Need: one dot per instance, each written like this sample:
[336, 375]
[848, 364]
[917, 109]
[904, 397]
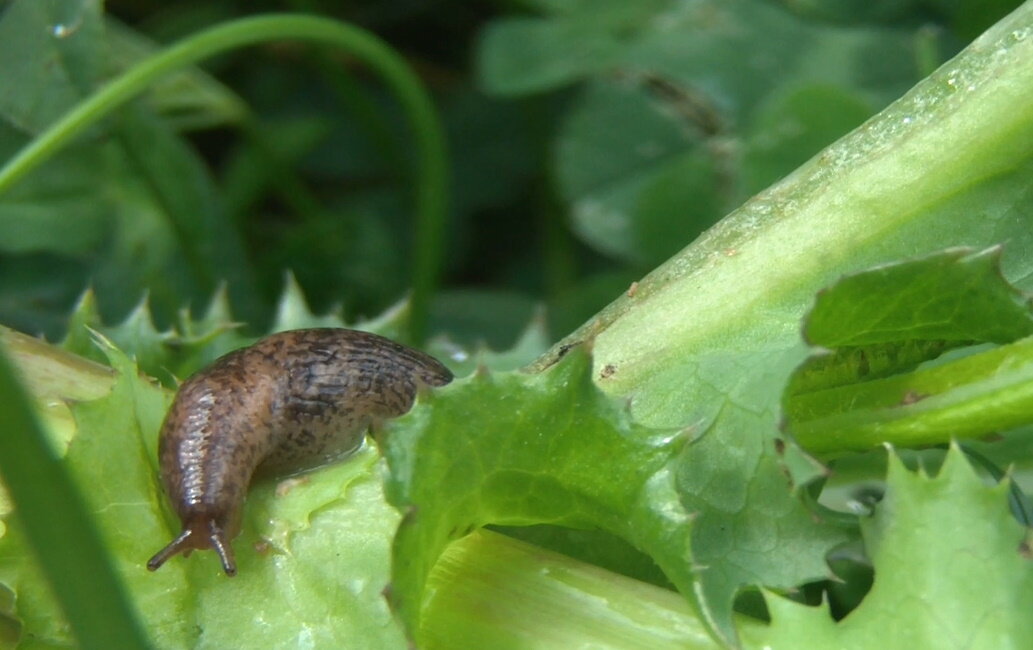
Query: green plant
[671, 420]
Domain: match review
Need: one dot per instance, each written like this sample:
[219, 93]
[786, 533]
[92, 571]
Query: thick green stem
[431, 183]
[971, 397]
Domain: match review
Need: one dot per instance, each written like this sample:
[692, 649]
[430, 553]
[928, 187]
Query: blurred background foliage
[589, 140]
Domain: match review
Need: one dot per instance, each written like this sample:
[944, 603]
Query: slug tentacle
[198, 534]
[290, 402]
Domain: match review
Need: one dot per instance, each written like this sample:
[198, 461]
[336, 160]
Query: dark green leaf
[610, 173]
[34, 290]
[51, 54]
[171, 199]
[133, 196]
[794, 124]
[526, 55]
[687, 112]
[482, 318]
[190, 99]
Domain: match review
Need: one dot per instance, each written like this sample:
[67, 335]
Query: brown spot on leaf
[912, 397]
[1025, 550]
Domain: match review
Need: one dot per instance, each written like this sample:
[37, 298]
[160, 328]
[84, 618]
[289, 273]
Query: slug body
[291, 401]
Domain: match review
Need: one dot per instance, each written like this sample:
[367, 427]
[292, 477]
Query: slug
[291, 401]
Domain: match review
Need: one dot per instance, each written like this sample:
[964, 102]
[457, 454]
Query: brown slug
[291, 401]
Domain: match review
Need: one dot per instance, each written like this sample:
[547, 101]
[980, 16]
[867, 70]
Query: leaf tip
[102, 342]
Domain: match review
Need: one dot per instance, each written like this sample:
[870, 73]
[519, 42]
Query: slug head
[199, 532]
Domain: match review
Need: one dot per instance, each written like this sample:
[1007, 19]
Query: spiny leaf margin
[932, 540]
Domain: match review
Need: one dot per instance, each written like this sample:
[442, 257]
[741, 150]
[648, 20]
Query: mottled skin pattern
[291, 401]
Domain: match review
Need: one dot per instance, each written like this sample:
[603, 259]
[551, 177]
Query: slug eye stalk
[199, 534]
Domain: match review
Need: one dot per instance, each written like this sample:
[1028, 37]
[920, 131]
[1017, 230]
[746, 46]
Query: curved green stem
[431, 184]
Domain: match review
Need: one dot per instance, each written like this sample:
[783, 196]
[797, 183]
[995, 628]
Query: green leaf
[951, 571]
[712, 336]
[170, 219]
[132, 195]
[592, 546]
[190, 99]
[479, 318]
[30, 217]
[526, 55]
[196, 342]
[52, 522]
[609, 174]
[283, 552]
[729, 48]
[888, 320]
[534, 449]
[691, 178]
[856, 11]
[165, 354]
[35, 290]
[51, 55]
[709, 340]
[956, 295]
[265, 162]
[684, 111]
[969, 18]
[56, 379]
[549, 448]
[316, 547]
[751, 526]
[293, 311]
